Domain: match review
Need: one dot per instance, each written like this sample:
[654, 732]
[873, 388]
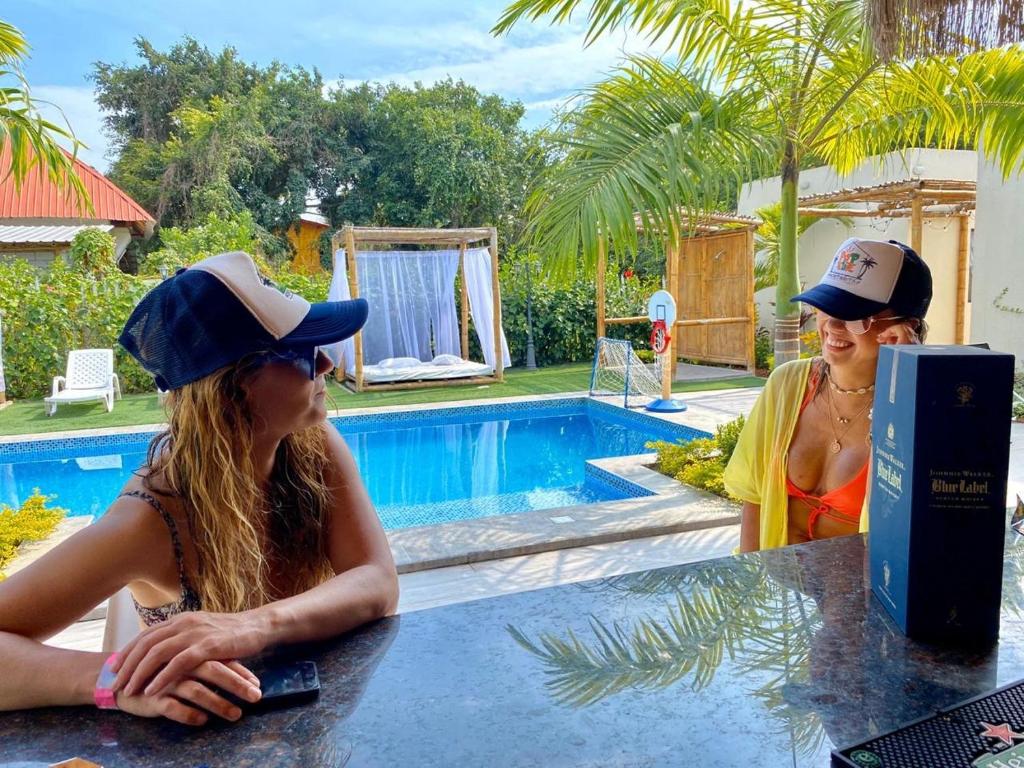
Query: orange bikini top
[843, 504]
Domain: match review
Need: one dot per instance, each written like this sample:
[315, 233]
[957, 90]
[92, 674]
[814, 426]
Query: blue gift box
[940, 443]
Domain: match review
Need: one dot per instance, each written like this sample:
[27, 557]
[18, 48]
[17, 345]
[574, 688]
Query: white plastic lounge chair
[90, 376]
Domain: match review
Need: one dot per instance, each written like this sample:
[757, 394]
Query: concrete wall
[998, 262]
[940, 237]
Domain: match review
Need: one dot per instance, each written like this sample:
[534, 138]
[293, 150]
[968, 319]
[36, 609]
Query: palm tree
[32, 139]
[758, 89]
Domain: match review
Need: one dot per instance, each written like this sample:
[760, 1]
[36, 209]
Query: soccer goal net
[619, 372]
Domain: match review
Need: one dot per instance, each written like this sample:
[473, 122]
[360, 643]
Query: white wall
[998, 261]
[940, 237]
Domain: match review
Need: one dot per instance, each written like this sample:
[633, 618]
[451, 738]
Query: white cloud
[546, 73]
[81, 112]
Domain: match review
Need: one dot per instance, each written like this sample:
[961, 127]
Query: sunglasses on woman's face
[859, 327]
[303, 358]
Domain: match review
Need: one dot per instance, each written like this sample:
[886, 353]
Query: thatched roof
[912, 28]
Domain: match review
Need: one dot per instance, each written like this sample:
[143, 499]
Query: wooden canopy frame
[351, 237]
[918, 199]
[703, 226]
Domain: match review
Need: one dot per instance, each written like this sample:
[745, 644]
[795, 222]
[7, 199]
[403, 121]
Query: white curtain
[481, 304]
[412, 304]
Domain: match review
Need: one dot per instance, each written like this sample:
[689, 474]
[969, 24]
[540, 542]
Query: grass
[29, 416]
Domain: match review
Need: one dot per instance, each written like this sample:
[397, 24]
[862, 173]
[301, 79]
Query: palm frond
[32, 139]
[654, 141]
[755, 623]
[941, 102]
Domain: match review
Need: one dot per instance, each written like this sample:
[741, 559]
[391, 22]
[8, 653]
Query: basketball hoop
[661, 311]
[659, 337]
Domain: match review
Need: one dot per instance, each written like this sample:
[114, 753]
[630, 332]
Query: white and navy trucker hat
[218, 310]
[868, 276]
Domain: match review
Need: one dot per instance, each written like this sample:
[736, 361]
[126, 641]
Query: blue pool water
[420, 468]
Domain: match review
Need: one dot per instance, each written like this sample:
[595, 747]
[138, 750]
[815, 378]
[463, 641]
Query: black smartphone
[284, 685]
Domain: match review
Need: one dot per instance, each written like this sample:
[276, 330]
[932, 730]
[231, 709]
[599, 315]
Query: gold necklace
[837, 445]
[857, 391]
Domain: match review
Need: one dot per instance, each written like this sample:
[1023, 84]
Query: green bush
[565, 312]
[217, 234]
[700, 462]
[92, 253]
[32, 522]
[46, 314]
[764, 349]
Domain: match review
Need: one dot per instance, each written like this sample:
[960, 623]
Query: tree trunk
[787, 314]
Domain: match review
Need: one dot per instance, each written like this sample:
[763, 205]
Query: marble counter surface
[769, 659]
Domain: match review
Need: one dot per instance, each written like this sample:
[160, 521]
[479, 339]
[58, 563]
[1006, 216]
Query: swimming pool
[420, 467]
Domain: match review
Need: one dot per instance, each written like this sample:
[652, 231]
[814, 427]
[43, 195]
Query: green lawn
[28, 416]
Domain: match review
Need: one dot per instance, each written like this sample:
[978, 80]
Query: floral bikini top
[189, 599]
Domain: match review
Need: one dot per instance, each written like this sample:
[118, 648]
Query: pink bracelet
[103, 694]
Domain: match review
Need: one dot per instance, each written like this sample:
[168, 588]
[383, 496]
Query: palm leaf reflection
[749, 616]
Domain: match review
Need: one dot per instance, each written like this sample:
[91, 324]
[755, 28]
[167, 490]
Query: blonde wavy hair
[244, 535]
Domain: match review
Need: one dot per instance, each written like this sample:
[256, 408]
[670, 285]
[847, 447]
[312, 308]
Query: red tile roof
[40, 198]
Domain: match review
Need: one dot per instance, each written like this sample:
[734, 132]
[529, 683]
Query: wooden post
[336, 240]
[353, 284]
[602, 266]
[751, 309]
[463, 302]
[962, 265]
[916, 218]
[499, 362]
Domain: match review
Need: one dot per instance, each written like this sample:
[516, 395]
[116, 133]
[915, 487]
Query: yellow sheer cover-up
[757, 470]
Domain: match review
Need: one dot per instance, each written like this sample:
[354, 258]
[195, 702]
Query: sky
[407, 41]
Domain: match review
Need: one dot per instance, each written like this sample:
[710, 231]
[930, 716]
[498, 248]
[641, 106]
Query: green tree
[438, 156]
[759, 88]
[198, 133]
[31, 139]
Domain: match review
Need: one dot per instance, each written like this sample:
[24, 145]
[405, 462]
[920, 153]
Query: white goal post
[618, 371]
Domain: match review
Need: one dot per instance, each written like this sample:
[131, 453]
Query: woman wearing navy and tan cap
[801, 464]
[248, 527]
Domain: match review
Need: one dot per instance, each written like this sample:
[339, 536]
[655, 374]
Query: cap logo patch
[850, 265]
[271, 284]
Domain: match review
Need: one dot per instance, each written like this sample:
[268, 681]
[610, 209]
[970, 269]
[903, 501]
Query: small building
[305, 236]
[39, 220]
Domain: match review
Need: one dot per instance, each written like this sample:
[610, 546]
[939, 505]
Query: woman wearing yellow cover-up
[801, 464]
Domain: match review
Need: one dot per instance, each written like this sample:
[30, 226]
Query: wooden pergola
[701, 227]
[352, 237]
[916, 199]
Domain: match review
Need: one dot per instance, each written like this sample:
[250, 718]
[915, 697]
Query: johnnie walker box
[940, 436]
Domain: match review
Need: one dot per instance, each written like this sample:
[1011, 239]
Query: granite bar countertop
[768, 659]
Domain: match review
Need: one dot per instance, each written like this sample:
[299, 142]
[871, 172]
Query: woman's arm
[364, 588]
[58, 589]
[750, 527]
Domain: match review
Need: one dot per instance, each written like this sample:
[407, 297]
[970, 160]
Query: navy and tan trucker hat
[868, 276]
[221, 309]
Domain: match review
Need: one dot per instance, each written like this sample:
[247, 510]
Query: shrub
[764, 350]
[47, 313]
[182, 247]
[92, 253]
[700, 463]
[32, 522]
[565, 312]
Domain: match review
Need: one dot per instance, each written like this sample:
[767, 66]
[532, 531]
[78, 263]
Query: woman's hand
[191, 701]
[173, 650]
[899, 333]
